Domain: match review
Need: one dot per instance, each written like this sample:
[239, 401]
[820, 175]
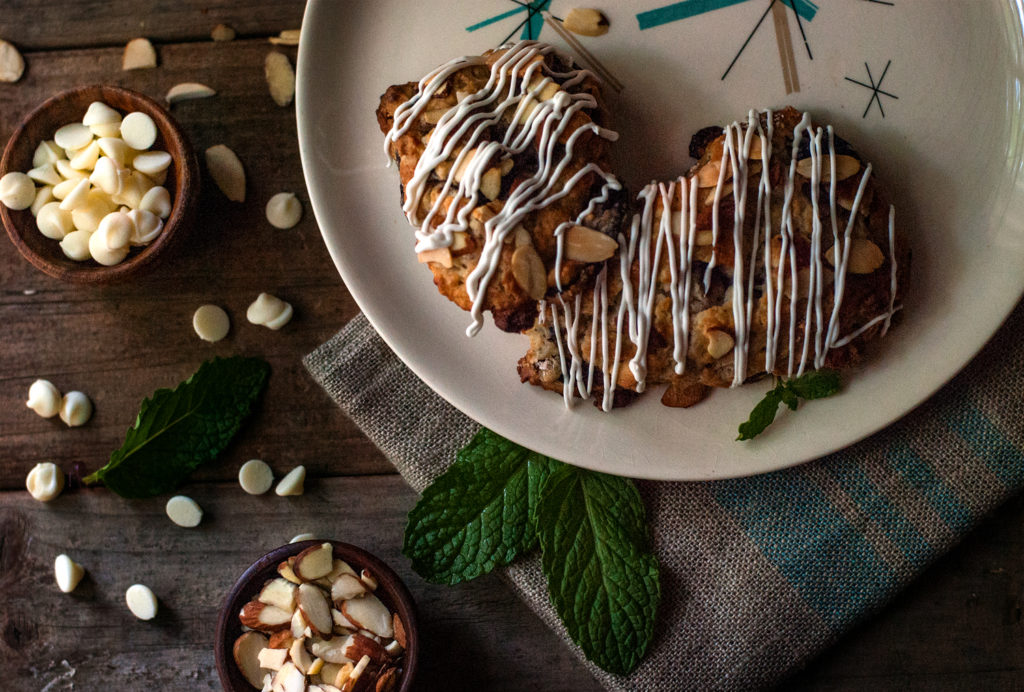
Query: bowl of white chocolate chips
[96, 183]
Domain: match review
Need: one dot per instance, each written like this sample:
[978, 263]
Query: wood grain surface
[959, 627]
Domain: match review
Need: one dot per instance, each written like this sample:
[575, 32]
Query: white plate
[949, 145]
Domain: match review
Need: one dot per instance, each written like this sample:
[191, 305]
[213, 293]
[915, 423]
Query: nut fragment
[369, 613]
[865, 257]
[528, 271]
[265, 618]
[280, 77]
[67, 572]
[315, 609]
[278, 592]
[246, 651]
[719, 343]
[314, 562]
[587, 245]
[12, 65]
[187, 91]
[45, 481]
[138, 54]
[846, 166]
[682, 393]
[441, 255]
[586, 21]
[226, 171]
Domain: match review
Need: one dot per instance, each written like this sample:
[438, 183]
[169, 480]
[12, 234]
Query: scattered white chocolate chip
[283, 210]
[292, 483]
[226, 171]
[12, 65]
[157, 200]
[138, 130]
[67, 572]
[288, 37]
[269, 311]
[184, 511]
[211, 323]
[44, 398]
[72, 136]
[302, 537]
[222, 32]
[75, 409]
[280, 77]
[17, 191]
[54, 222]
[255, 477]
[45, 481]
[187, 91]
[75, 245]
[138, 54]
[141, 601]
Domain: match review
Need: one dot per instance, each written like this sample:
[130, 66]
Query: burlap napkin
[758, 574]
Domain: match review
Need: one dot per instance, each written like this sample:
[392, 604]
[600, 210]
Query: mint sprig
[816, 384]
[177, 430]
[499, 500]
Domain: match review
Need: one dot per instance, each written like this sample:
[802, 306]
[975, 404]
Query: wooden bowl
[390, 590]
[70, 106]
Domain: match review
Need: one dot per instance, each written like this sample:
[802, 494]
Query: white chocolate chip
[280, 78]
[115, 148]
[138, 130]
[292, 483]
[133, 186]
[46, 152]
[44, 195]
[226, 171]
[88, 216]
[44, 398]
[75, 246]
[138, 54]
[188, 91]
[157, 200]
[78, 197]
[184, 511]
[67, 572]
[105, 175]
[116, 230]
[100, 250]
[222, 32]
[75, 409]
[72, 136]
[302, 537]
[255, 477]
[86, 158]
[141, 601]
[269, 311]
[284, 210]
[12, 65]
[211, 323]
[99, 113]
[45, 481]
[146, 226]
[46, 174]
[54, 222]
[106, 130]
[63, 167]
[17, 191]
[151, 162]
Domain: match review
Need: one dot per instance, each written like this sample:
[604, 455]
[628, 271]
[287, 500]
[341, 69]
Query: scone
[777, 253]
[503, 161]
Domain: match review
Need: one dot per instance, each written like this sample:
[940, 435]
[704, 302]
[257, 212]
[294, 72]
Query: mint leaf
[177, 430]
[479, 514]
[816, 384]
[602, 577]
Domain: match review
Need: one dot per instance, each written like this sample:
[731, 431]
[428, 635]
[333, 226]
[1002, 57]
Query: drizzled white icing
[675, 236]
[513, 91]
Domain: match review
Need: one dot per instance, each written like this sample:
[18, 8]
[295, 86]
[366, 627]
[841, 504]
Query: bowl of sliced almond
[317, 616]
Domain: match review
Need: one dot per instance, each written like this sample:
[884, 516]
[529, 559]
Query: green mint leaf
[177, 430]
[479, 514]
[601, 575]
[789, 398]
[763, 414]
[817, 384]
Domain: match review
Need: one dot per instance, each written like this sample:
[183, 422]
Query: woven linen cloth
[758, 574]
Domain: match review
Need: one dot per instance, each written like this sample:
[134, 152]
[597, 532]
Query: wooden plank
[191, 570]
[34, 25]
[120, 343]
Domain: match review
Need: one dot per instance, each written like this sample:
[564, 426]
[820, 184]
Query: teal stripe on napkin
[990, 444]
[921, 476]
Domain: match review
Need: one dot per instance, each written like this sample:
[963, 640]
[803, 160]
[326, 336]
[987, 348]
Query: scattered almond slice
[315, 609]
[138, 54]
[280, 77]
[226, 171]
[288, 37]
[12, 65]
[187, 91]
[314, 562]
[246, 650]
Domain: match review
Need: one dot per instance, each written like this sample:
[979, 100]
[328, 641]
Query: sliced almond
[314, 562]
[441, 255]
[528, 271]
[342, 625]
[138, 54]
[490, 183]
[332, 650]
[368, 579]
[316, 666]
[846, 166]
[226, 171]
[399, 629]
[364, 646]
[272, 659]
[187, 91]
[288, 37]
[347, 586]
[709, 173]
[387, 681]
[369, 613]
[290, 679]
[280, 77]
[286, 571]
[865, 257]
[329, 671]
[315, 609]
[339, 568]
[12, 65]
[246, 652]
[264, 618]
[299, 656]
[299, 628]
[279, 592]
[587, 245]
[344, 674]
[719, 343]
[586, 21]
[282, 639]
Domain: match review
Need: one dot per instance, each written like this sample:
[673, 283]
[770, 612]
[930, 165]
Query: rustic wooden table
[959, 627]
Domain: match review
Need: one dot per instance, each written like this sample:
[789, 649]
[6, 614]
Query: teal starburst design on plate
[531, 25]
